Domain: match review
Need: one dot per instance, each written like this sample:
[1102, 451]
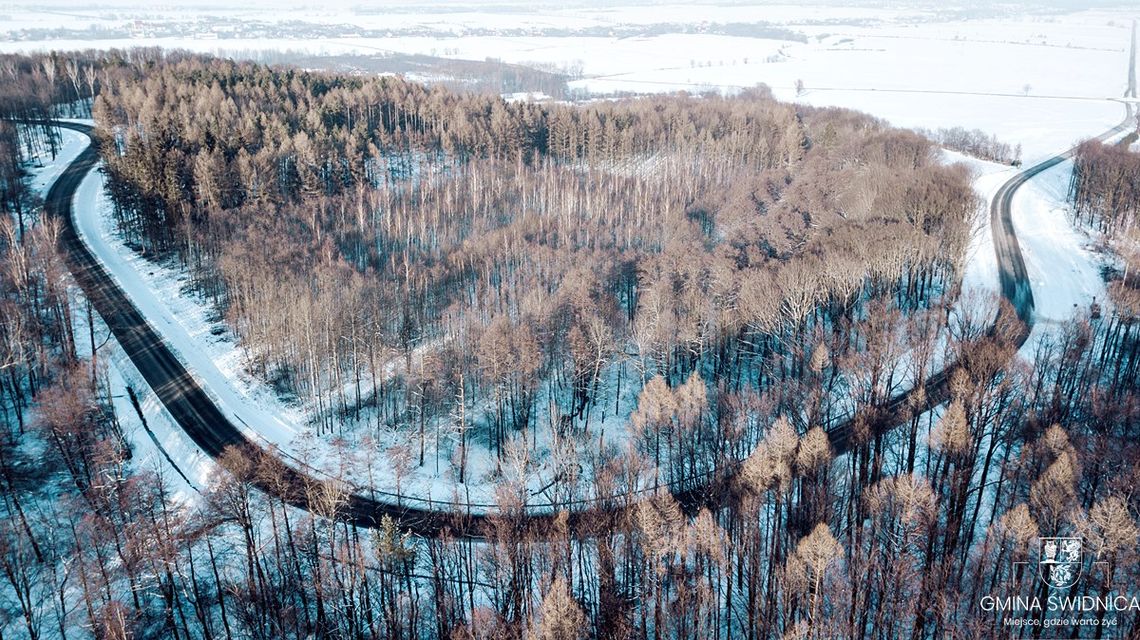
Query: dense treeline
[761, 297]
[58, 441]
[1105, 186]
[490, 76]
[977, 143]
[36, 334]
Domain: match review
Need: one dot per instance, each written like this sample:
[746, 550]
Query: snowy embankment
[980, 278]
[186, 326]
[1065, 263]
[204, 343]
[159, 446]
[187, 330]
[44, 170]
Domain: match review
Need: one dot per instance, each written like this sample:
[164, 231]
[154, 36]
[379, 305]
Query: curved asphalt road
[187, 402]
[213, 432]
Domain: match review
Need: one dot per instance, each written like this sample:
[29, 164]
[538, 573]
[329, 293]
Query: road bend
[215, 433]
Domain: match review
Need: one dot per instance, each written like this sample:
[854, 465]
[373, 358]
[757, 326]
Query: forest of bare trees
[549, 258]
[977, 143]
[730, 276]
[1105, 187]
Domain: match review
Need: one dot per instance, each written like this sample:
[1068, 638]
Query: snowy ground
[1065, 263]
[43, 171]
[981, 274]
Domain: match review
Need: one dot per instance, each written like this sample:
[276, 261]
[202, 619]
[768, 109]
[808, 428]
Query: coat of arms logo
[1060, 562]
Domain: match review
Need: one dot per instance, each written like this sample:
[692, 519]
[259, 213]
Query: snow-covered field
[1039, 79]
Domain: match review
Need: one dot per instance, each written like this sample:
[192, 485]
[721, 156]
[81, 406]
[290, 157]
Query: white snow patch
[1064, 269]
[43, 171]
